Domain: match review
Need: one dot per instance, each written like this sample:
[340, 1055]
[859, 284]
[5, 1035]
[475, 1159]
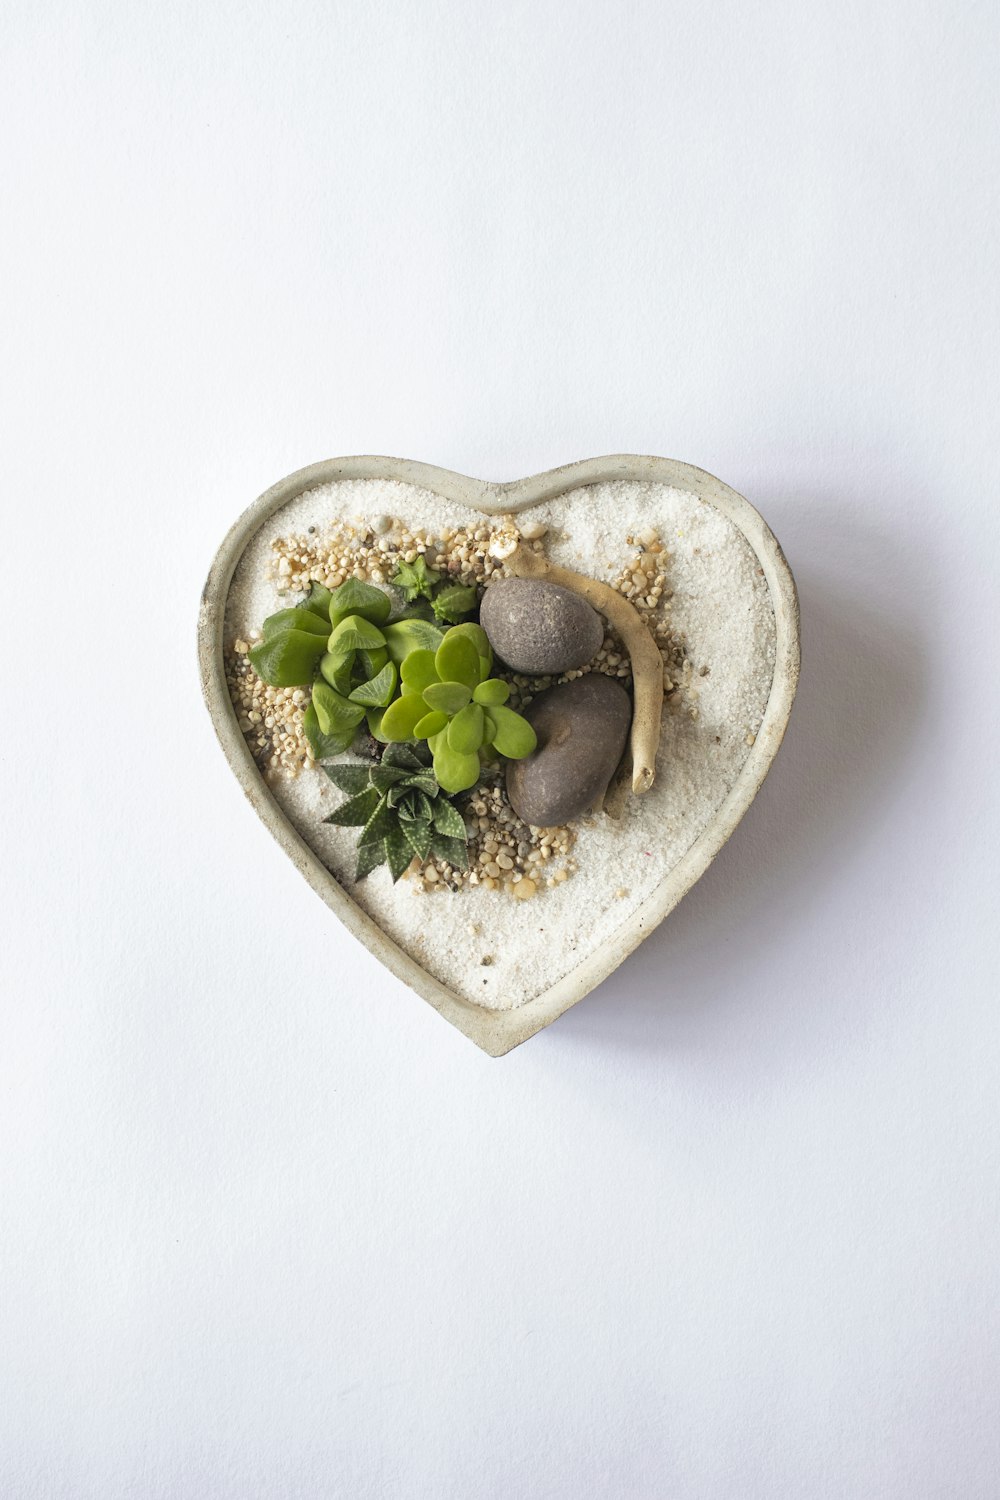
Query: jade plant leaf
[490, 692]
[513, 736]
[430, 724]
[465, 732]
[400, 718]
[457, 660]
[418, 671]
[477, 635]
[446, 697]
[455, 772]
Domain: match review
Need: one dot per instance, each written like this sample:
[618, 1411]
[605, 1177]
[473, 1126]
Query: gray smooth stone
[582, 727]
[539, 627]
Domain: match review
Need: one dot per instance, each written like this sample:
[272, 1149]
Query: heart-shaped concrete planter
[577, 965]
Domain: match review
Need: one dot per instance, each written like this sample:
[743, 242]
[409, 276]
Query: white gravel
[721, 605]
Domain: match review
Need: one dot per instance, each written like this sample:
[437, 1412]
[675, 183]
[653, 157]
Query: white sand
[721, 606]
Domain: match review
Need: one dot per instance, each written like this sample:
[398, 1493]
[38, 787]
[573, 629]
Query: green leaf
[430, 724]
[447, 697]
[350, 777]
[400, 718]
[447, 819]
[453, 851]
[418, 836]
[372, 662]
[465, 732]
[406, 756]
[384, 777]
[319, 601]
[410, 805]
[335, 668]
[295, 619]
[358, 598]
[416, 579]
[378, 692]
[355, 633]
[324, 745]
[370, 856]
[397, 851]
[379, 824]
[455, 772]
[477, 635]
[374, 717]
[357, 811]
[419, 609]
[335, 713]
[453, 601]
[514, 736]
[457, 659]
[405, 636]
[288, 659]
[418, 671]
[491, 692]
[489, 727]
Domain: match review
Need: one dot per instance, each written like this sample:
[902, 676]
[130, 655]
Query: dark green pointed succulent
[449, 699]
[401, 810]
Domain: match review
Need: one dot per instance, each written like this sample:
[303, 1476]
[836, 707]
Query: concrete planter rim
[497, 1032]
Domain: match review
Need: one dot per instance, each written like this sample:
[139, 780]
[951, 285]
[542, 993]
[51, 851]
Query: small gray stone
[539, 627]
[582, 727]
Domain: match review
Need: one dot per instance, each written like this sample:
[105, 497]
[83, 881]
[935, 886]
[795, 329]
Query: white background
[268, 1226]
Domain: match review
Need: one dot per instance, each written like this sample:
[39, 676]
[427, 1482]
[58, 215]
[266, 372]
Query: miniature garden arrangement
[497, 731]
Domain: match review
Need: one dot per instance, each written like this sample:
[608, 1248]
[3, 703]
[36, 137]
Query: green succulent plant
[449, 699]
[452, 602]
[416, 579]
[343, 645]
[401, 810]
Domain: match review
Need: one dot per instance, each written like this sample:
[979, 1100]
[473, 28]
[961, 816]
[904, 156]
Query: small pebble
[524, 889]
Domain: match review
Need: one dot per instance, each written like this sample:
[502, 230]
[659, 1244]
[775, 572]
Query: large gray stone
[539, 627]
[582, 727]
